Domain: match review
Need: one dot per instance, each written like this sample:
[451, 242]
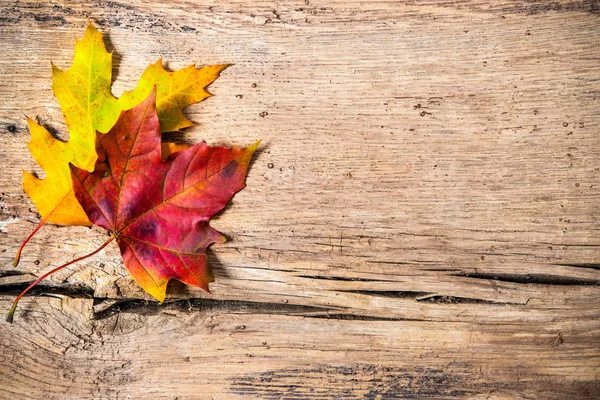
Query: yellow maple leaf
[52, 155]
[84, 94]
[174, 91]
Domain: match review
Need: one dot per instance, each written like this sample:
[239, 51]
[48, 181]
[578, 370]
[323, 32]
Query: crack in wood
[42, 289]
[429, 297]
[4, 274]
[542, 279]
[342, 278]
[582, 265]
[356, 317]
[144, 307]
[394, 294]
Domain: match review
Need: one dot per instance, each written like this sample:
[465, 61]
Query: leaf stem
[42, 222]
[18, 255]
[10, 315]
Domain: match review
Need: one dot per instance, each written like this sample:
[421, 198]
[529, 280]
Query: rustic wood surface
[422, 219]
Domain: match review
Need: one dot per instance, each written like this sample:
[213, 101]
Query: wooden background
[422, 219]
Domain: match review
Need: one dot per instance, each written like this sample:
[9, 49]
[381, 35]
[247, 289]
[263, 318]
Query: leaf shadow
[218, 268]
[116, 57]
[262, 147]
[176, 288]
[54, 131]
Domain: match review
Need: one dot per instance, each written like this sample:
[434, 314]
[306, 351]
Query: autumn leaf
[158, 210]
[84, 94]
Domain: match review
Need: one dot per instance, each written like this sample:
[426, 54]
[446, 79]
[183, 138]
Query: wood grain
[421, 221]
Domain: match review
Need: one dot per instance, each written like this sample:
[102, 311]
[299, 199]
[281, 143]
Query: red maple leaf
[158, 210]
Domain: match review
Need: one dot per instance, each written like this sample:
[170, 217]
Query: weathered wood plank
[421, 220]
[229, 350]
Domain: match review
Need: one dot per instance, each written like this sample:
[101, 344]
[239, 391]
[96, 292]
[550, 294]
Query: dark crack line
[75, 291]
[343, 279]
[144, 307]
[541, 279]
[581, 265]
